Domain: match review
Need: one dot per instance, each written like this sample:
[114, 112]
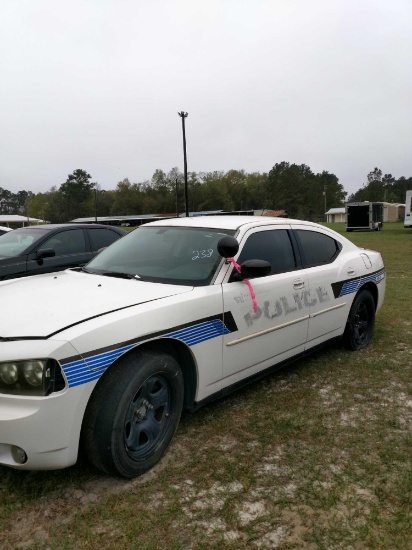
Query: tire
[133, 414]
[360, 323]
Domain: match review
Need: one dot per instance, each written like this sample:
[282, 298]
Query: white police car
[107, 356]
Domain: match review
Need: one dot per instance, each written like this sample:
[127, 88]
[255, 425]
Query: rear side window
[317, 248]
[100, 238]
[273, 246]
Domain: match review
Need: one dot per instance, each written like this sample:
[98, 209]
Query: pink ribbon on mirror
[252, 292]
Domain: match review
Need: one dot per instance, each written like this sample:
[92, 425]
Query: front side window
[66, 242]
[174, 255]
[317, 248]
[273, 246]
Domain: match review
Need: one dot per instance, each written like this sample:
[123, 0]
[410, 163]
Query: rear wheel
[360, 323]
[133, 414]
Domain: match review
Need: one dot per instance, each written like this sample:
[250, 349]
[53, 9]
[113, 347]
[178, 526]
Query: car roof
[55, 226]
[225, 222]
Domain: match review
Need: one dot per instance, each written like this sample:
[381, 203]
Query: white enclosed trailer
[408, 209]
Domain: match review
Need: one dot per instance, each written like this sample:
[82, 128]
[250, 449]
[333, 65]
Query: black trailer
[364, 216]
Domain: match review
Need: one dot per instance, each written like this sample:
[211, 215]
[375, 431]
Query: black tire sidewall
[119, 388]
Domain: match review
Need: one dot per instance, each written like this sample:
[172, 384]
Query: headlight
[33, 373]
[31, 377]
[8, 373]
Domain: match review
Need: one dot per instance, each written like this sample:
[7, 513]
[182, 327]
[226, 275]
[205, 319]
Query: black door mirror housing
[45, 253]
[252, 269]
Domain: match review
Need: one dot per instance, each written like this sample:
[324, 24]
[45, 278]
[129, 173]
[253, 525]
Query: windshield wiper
[118, 275]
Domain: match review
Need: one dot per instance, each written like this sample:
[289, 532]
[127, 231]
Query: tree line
[291, 187]
[382, 188]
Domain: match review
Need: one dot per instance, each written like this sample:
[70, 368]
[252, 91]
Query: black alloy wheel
[147, 417]
[361, 321]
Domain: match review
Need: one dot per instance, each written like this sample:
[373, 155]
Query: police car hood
[42, 305]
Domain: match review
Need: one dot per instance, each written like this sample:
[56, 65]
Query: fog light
[19, 456]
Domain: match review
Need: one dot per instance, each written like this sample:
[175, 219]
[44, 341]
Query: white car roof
[225, 222]
[3, 228]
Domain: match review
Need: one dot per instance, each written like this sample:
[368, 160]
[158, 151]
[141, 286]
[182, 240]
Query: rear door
[278, 329]
[320, 255]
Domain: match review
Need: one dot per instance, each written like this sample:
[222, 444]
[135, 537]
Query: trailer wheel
[133, 414]
[360, 323]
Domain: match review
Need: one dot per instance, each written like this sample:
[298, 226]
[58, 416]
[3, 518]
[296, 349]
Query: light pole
[177, 202]
[27, 211]
[44, 210]
[184, 115]
[95, 202]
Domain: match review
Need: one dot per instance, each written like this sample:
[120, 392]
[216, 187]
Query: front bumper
[47, 428]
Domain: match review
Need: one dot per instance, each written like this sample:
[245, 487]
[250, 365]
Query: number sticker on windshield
[199, 254]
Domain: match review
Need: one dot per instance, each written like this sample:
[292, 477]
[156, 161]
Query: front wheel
[133, 414]
[360, 323]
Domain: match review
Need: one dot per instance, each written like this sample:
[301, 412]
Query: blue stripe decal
[83, 371]
[352, 286]
[199, 333]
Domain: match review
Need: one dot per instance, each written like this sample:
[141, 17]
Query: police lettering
[285, 306]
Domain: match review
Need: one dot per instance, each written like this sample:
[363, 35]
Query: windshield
[16, 242]
[173, 255]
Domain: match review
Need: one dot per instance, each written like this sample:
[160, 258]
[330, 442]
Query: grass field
[316, 456]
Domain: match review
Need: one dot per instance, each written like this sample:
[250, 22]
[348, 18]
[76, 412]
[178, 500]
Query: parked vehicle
[408, 209]
[175, 314]
[4, 229]
[364, 216]
[44, 248]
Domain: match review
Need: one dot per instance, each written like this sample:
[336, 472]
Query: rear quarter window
[317, 248]
[100, 238]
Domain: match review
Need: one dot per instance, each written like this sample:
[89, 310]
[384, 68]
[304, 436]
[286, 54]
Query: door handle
[298, 283]
[351, 271]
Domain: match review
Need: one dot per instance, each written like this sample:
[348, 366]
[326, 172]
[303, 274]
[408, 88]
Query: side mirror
[251, 269]
[228, 247]
[45, 253]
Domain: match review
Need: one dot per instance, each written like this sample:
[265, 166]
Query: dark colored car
[45, 248]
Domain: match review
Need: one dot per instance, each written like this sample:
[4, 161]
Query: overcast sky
[97, 84]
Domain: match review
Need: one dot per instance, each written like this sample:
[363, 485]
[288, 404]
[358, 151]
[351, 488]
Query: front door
[278, 328]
